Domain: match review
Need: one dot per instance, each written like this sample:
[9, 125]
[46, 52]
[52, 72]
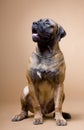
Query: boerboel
[45, 74]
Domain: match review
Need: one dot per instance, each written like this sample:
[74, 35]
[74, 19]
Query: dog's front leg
[58, 99]
[35, 103]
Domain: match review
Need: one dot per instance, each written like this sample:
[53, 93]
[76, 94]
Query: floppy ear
[61, 33]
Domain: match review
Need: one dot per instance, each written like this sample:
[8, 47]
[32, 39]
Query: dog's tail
[66, 115]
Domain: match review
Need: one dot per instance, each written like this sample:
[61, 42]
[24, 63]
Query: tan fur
[46, 89]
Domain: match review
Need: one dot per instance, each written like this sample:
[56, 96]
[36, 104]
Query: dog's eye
[47, 20]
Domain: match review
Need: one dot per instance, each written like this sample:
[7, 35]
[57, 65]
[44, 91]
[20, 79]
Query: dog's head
[46, 30]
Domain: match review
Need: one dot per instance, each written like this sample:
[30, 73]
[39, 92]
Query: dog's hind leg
[24, 106]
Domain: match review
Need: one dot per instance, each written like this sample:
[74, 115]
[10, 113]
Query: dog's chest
[46, 92]
[45, 70]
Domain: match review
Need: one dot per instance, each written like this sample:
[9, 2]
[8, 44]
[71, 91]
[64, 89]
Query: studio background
[16, 45]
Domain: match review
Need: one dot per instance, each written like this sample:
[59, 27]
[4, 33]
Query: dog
[45, 74]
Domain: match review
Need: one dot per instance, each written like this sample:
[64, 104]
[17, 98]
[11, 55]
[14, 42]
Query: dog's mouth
[40, 35]
[35, 35]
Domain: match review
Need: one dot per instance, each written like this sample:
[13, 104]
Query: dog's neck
[48, 50]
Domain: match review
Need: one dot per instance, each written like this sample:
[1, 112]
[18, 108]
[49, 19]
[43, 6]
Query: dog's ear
[61, 33]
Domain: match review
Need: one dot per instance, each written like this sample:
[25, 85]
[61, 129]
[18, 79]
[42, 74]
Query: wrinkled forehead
[47, 21]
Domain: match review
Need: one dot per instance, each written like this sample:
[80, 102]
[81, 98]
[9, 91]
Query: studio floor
[76, 108]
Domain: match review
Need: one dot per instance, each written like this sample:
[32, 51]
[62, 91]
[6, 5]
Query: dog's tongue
[35, 37]
[34, 34]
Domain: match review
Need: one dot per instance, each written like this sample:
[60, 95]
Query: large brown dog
[45, 74]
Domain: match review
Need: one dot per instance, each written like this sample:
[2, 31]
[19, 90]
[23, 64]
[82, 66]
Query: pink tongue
[35, 35]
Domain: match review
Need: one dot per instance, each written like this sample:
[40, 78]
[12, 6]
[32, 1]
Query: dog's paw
[61, 122]
[19, 117]
[38, 120]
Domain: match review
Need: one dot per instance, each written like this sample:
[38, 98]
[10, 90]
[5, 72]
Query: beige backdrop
[16, 45]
